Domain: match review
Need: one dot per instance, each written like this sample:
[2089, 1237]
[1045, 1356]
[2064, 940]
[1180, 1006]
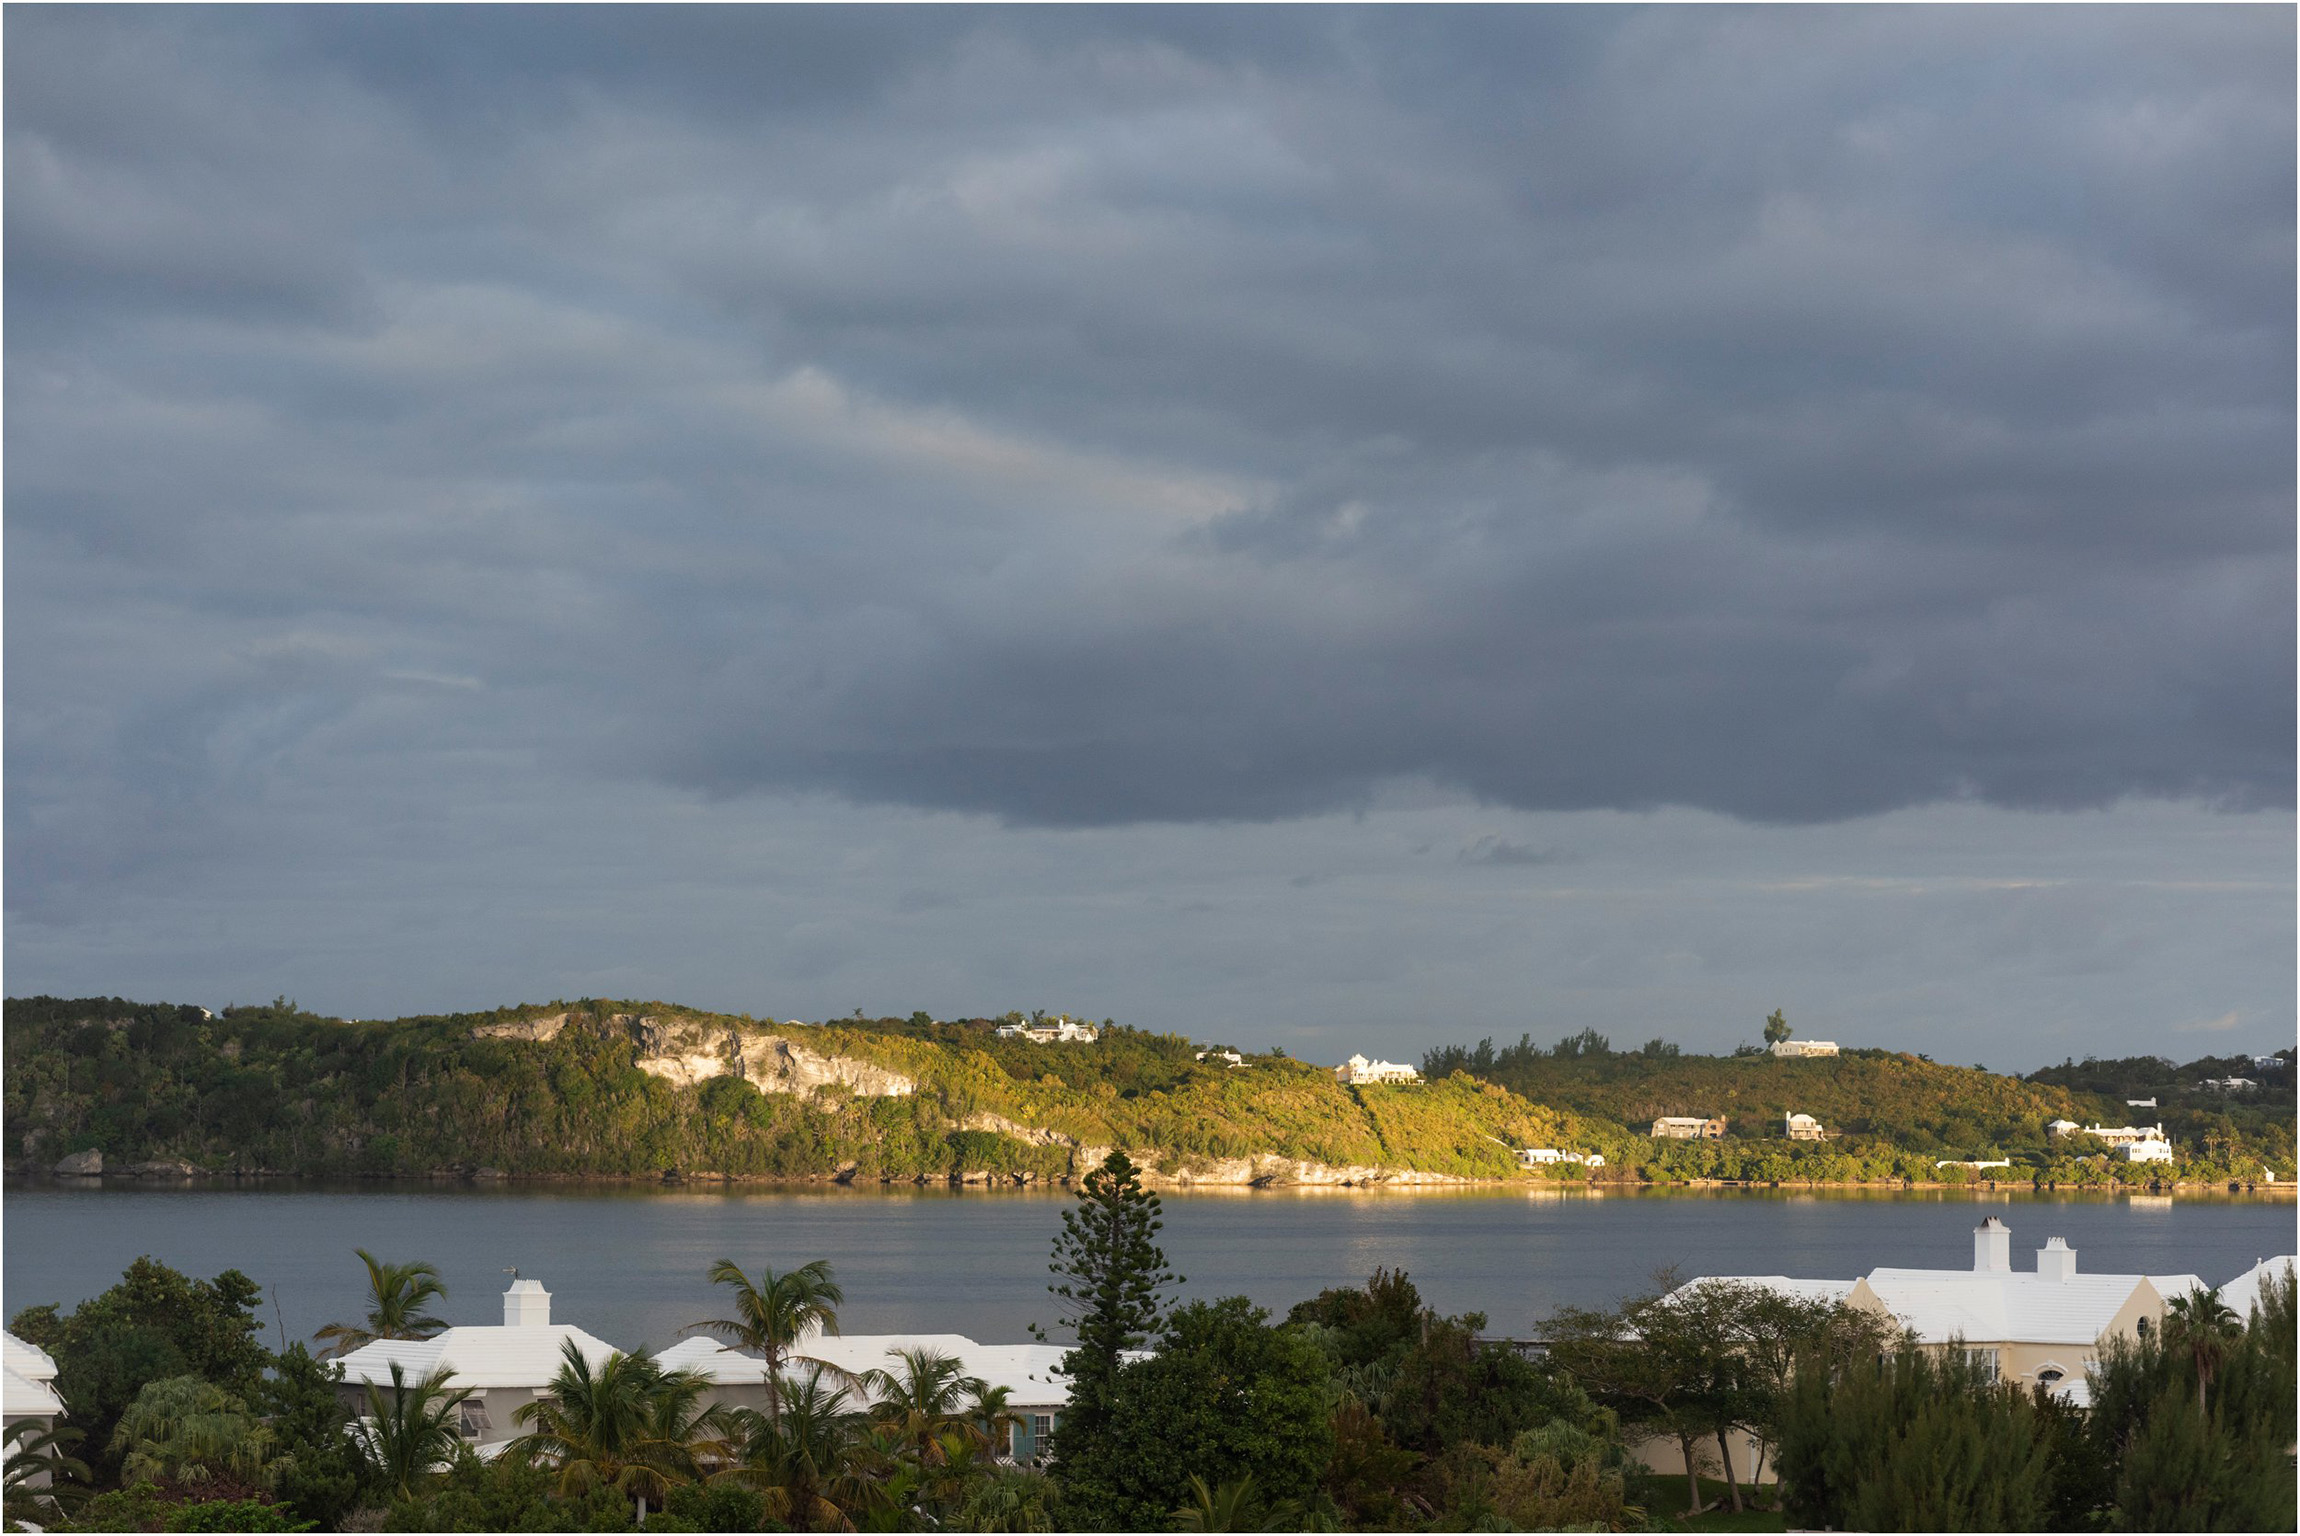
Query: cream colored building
[1803, 1047]
[1688, 1128]
[1359, 1070]
[1804, 1128]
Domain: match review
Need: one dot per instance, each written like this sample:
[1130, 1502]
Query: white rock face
[684, 1052]
[546, 1028]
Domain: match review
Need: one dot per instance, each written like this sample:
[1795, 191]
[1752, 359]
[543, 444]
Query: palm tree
[990, 1415]
[2203, 1325]
[396, 1295]
[627, 1424]
[413, 1432]
[773, 1314]
[804, 1460]
[43, 1451]
[187, 1430]
[924, 1400]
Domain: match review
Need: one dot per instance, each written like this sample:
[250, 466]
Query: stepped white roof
[25, 1373]
[1994, 1306]
[524, 1355]
[2242, 1294]
[1031, 1373]
[1788, 1285]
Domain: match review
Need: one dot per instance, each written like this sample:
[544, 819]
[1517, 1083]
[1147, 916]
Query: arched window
[2050, 1375]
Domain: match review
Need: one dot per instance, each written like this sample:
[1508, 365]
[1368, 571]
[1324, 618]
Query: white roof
[526, 1355]
[2242, 1294]
[29, 1361]
[22, 1397]
[1788, 1285]
[1031, 1373]
[2010, 1306]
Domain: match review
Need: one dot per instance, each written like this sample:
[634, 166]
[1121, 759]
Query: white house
[1542, 1157]
[2125, 1135]
[2230, 1084]
[1359, 1070]
[2242, 1294]
[2041, 1327]
[1228, 1058]
[1804, 1128]
[1973, 1163]
[2140, 1103]
[2059, 1128]
[510, 1365]
[1061, 1029]
[27, 1390]
[1803, 1047]
[1037, 1390]
[2269, 1063]
[2149, 1149]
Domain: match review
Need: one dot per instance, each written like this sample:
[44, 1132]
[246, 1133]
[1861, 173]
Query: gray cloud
[1103, 419]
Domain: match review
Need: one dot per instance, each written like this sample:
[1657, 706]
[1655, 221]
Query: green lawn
[1664, 1500]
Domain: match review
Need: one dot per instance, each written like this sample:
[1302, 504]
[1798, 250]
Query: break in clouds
[1095, 419]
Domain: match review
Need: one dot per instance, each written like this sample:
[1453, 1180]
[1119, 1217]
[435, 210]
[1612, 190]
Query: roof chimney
[527, 1305]
[2056, 1260]
[1992, 1248]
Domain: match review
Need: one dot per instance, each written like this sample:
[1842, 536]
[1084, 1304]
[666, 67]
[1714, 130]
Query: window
[473, 1420]
[1041, 1426]
[2050, 1375]
[1984, 1361]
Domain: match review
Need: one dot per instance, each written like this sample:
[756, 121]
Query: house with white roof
[1359, 1070]
[1543, 1157]
[2125, 1135]
[28, 1393]
[1055, 1031]
[1689, 1128]
[2242, 1294]
[2042, 1325]
[1037, 1390]
[1787, 1048]
[1804, 1128]
[2059, 1128]
[509, 1366]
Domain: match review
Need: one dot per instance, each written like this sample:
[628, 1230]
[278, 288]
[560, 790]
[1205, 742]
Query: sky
[1347, 530]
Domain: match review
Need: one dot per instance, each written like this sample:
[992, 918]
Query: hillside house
[1688, 1128]
[2270, 1064]
[2230, 1084]
[1786, 1048]
[1543, 1157]
[2140, 1103]
[2124, 1135]
[2059, 1128]
[1804, 1128]
[1060, 1030]
[1227, 1058]
[2149, 1149]
[1359, 1070]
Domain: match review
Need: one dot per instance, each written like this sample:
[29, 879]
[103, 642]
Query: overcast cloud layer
[630, 463]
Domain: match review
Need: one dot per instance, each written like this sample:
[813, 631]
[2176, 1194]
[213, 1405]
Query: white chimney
[2056, 1260]
[526, 1305]
[1992, 1248]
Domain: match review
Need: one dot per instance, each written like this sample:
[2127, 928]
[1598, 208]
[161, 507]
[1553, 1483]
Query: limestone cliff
[687, 1052]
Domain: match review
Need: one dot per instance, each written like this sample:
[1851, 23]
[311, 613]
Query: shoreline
[1405, 1182]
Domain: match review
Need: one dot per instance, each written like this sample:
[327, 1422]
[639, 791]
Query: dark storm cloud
[1089, 417]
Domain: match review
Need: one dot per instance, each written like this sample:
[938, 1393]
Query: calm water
[628, 1264]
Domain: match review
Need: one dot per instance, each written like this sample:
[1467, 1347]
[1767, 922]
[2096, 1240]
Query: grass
[1664, 1501]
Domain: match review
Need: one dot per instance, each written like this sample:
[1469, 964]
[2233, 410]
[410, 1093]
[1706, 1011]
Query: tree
[1776, 1027]
[156, 1323]
[1226, 1396]
[413, 1432]
[323, 1476]
[1109, 1271]
[1914, 1442]
[625, 1424]
[802, 1460]
[396, 1296]
[2199, 1325]
[192, 1432]
[1234, 1506]
[45, 1481]
[925, 1401]
[774, 1313]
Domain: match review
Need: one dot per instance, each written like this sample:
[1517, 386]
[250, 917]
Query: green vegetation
[1891, 1115]
[273, 1089]
[276, 1089]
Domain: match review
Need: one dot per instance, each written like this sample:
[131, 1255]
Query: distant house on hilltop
[1803, 1048]
[1688, 1128]
[1359, 1070]
[1057, 1030]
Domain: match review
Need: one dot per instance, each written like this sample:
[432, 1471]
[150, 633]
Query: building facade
[1803, 1048]
[1688, 1128]
[1359, 1070]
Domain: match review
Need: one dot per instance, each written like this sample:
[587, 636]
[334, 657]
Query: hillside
[1891, 1114]
[638, 1089]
